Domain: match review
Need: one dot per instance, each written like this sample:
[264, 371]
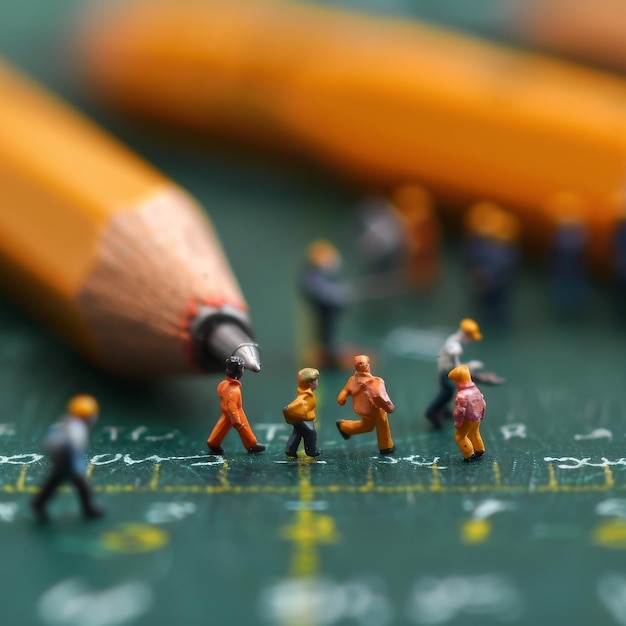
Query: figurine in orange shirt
[300, 413]
[371, 402]
[229, 391]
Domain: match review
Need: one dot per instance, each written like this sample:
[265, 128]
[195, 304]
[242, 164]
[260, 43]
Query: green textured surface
[384, 540]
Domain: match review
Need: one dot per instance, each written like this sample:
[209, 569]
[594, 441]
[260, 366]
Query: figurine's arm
[344, 393]
[459, 412]
[381, 398]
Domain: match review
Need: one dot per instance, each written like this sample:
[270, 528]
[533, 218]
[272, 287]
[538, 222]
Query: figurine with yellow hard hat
[449, 358]
[66, 443]
[469, 412]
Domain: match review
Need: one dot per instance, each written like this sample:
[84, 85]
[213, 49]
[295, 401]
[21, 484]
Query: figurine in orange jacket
[469, 412]
[300, 413]
[229, 391]
[371, 402]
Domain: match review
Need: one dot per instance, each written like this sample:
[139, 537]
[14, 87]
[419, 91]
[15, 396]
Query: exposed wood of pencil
[382, 100]
[96, 242]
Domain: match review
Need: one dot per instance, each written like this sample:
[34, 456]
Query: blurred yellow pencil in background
[381, 100]
[109, 252]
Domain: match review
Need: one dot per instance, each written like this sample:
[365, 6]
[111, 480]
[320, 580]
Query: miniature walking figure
[300, 413]
[449, 358]
[233, 416]
[65, 444]
[319, 284]
[371, 402]
[469, 411]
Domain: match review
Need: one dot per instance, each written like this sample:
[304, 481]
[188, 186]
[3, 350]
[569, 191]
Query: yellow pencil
[386, 101]
[112, 254]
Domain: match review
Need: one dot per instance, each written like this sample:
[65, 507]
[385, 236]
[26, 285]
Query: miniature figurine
[381, 239]
[449, 358]
[492, 257]
[371, 402]
[567, 253]
[469, 411]
[300, 413]
[421, 230]
[65, 444]
[233, 416]
[326, 296]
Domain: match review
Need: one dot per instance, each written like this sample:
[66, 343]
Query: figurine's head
[470, 330]
[84, 407]
[362, 363]
[460, 374]
[307, 377]
[324, 255]
[234, 367]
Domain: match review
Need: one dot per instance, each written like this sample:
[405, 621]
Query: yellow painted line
[154, 481]
[21, 481]
[89, 470]
[436, 484]
[497, 477]
[475, 531]
[608, 477]
[552, 481]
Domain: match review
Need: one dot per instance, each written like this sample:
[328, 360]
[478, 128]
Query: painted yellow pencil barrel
[382, 100]
[108, 251]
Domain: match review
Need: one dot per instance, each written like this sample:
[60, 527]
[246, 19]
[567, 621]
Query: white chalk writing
[440, 600]
[598, 433]
[70, 602]
[612, 593]
[570, 462]
[513, 430]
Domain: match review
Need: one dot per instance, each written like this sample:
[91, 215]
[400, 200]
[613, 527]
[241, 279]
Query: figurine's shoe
[257, 447]
[471, 459]
[215, 449]
[479, 453]
[388, 450]
[40, 512]
[346, 437]
[315, 452]
[93, 512]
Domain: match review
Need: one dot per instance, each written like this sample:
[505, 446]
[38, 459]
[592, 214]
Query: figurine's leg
[48, 489]
[462, 440]
[294, 441]
[309, 434]
[90, 509]
[356, 427]
[434, 412]
[383, 434]
[248, 437]
[217, 435]
[476, 439]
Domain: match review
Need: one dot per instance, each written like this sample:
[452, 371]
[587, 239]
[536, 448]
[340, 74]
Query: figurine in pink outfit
[468, 413]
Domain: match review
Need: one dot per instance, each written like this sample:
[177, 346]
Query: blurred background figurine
[380, 241]
[469, 411]
[300, 413]
[567, 254]
[421, 233]
[492, 257]
[66, 443]
[233, 416]
[318, 281]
